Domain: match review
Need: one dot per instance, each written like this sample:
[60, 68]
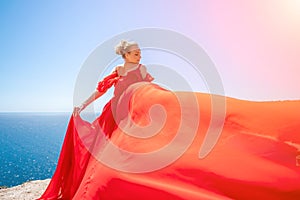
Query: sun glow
[291, 10]
[284, 17]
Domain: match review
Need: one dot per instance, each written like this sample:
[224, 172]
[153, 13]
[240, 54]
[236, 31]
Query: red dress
[255, 156]
[121, 83]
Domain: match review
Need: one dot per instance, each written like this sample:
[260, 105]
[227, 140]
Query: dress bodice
[121, 82]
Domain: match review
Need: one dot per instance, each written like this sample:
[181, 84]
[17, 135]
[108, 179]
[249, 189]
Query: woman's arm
[95, 95]
[103, 86]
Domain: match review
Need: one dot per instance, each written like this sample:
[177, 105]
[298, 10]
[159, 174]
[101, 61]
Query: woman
[128, 151]
[122, 77]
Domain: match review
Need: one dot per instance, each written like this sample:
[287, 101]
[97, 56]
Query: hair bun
[123, 46]
[120, 48]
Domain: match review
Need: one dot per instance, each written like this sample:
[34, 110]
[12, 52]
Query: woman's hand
[94, 96]
[77, 110]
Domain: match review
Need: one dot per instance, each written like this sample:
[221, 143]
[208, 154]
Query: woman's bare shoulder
[120, 70]
[143, 70]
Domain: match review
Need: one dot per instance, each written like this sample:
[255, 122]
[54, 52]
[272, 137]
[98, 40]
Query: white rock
[27, 191]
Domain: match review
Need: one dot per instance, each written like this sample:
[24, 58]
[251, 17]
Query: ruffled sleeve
[108, 81]
[148, 77]
[145, 75]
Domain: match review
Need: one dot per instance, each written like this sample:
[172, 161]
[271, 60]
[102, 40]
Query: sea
[30, 144]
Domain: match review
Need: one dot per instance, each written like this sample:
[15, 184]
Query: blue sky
[45, 43]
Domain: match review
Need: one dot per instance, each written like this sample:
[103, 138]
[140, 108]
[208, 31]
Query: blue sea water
[30, 144]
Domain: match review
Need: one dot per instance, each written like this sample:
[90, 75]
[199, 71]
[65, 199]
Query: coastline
[26, 191]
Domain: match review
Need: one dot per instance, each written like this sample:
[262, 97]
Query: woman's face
[133, 56]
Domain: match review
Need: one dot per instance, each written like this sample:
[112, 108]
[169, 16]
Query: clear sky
[254, 44]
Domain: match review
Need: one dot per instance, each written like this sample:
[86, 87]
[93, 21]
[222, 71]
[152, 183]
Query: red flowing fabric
[255, 156]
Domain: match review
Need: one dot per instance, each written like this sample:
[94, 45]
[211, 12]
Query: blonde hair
[125, 46]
